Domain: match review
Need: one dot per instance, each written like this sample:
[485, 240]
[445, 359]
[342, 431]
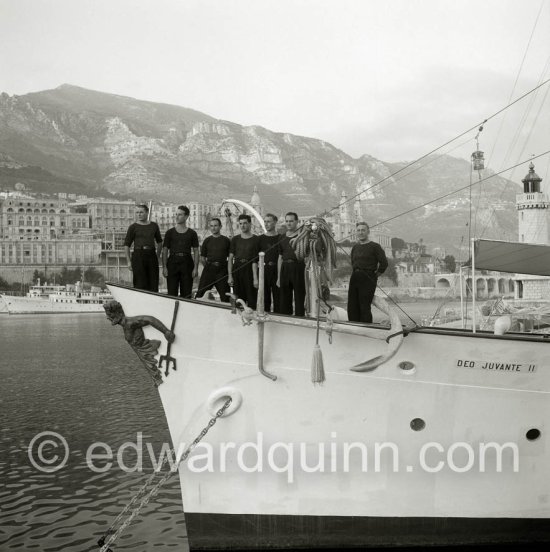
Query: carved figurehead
[146, 349]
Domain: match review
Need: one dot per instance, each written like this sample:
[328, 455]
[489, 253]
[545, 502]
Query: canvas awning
[503, 256]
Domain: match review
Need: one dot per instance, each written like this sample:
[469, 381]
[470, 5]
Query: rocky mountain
[74, 139]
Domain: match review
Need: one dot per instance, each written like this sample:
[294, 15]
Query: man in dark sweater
[214, 253]
[180, 268]
[291, 271]
[242, 266]
[144, 261]
[269, 244]
[368, 261]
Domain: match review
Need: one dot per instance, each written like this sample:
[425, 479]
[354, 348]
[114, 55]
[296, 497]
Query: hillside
[84, 141]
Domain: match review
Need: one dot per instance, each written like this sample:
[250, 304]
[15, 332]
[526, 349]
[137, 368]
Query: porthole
[418, 424]
[533, 434]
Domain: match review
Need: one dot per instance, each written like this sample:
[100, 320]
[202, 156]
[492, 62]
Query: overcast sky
[389, 78]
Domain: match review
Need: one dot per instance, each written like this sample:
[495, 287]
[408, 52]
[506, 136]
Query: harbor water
[74, 375]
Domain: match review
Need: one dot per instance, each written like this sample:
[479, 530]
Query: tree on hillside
[3, 284]
[93, 276]
[397, 244]
[70, 276]
[450, 263]
[46, 276]
[38, 275]
[14, 286]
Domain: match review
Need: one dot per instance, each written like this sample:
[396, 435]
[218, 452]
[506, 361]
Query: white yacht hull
[433, 423]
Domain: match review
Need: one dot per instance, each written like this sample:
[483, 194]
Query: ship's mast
[478, 164]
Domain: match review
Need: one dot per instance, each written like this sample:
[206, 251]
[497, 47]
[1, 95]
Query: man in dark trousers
[291, 271]
[180, 268]
[214, 254]
[242, 266]
[144, 261]
[368, 261]
[269, 244]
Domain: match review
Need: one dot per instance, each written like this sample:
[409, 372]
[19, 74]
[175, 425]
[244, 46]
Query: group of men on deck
[233, 263]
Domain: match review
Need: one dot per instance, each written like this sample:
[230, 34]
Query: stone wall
[416, 279]
[536, 289]
[20, 273]
[414, 293]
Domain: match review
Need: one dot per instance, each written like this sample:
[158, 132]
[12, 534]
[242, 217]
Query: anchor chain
[110, 536]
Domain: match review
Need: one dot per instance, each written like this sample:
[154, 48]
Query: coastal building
[199, 215]
[36, 218]
[38, 231]
[108, 214]
[416, 267]
[164, 214]
[78, 250]
[109, 219]
[533, 211]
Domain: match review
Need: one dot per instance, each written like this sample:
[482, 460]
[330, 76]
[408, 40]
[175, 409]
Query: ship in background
[53, 299]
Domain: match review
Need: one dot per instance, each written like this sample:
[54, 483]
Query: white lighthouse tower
[533, 212]
[533, 208]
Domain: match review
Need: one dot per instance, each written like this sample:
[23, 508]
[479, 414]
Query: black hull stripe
[261, 532]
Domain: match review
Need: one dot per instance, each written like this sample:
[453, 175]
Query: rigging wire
[517, 78]
[530, 132]
[525, 117]
[443, 145]
[505, 187]
[470, 203]
[371, 226]
[458, 190]
[420, 166]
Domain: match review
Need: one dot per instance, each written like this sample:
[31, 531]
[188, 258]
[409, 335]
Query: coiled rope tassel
[317, 365]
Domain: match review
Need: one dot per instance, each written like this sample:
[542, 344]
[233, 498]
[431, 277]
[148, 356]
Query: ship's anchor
[167, 359]
[394, 340]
